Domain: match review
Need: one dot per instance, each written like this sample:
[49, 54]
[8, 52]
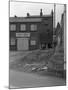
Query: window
[12, 41]
[33, 27]
[12, 27]
[33, 42]
[23, 27]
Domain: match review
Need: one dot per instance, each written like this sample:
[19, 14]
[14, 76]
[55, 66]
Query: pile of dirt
[35, 59]
[40, 56]
[56, 62]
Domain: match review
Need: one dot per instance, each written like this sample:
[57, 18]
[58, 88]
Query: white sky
[21, 8]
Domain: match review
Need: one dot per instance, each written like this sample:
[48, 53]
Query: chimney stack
[52, 12]
[41, 13]
[28, 14]
[15, 16]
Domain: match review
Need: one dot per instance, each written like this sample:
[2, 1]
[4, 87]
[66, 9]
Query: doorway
[22, 43]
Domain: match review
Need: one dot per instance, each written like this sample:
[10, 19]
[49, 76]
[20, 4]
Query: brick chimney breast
[41, 13]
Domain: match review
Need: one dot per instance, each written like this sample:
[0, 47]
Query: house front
[31, 32]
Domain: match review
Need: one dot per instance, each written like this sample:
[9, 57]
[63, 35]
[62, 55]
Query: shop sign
[22, 34]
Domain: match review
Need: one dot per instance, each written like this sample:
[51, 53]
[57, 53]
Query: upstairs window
[33, 27]
[23, 27]
[13, 27]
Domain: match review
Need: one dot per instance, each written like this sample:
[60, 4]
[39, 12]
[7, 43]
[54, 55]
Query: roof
[33, 18]
[21, 19]
[38, 16]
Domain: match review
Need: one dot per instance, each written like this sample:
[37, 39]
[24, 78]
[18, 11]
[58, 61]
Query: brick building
[31, 32]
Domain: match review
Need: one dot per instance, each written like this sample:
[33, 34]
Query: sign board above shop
[22, 34]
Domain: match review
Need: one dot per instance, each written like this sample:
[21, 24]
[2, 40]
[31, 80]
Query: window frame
[32, 44]
[12, 27]
[33, 27]
[21, 27]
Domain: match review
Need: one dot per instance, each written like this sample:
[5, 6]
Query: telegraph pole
[64, 34]
[54, 14]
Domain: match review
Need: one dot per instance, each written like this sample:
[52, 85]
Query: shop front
[22, 41]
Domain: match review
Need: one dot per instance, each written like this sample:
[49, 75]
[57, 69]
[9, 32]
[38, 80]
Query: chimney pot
[15, 16]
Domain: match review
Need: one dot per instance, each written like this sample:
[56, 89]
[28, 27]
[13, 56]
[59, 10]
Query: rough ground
[28, 69]
[27, 60]
[37, 61]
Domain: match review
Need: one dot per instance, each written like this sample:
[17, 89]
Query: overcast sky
[21, 8]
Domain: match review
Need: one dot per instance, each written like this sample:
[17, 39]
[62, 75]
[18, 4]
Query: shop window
[12, 27]
[23, 27]
[12, 41]
[33, 42]
[33, 27]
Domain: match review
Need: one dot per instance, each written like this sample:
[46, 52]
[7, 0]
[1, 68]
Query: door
[22, 44]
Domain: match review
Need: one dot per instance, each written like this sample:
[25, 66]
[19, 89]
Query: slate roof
[34, 18]
[21, 19]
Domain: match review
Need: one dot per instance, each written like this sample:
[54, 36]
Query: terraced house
[31, 32]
